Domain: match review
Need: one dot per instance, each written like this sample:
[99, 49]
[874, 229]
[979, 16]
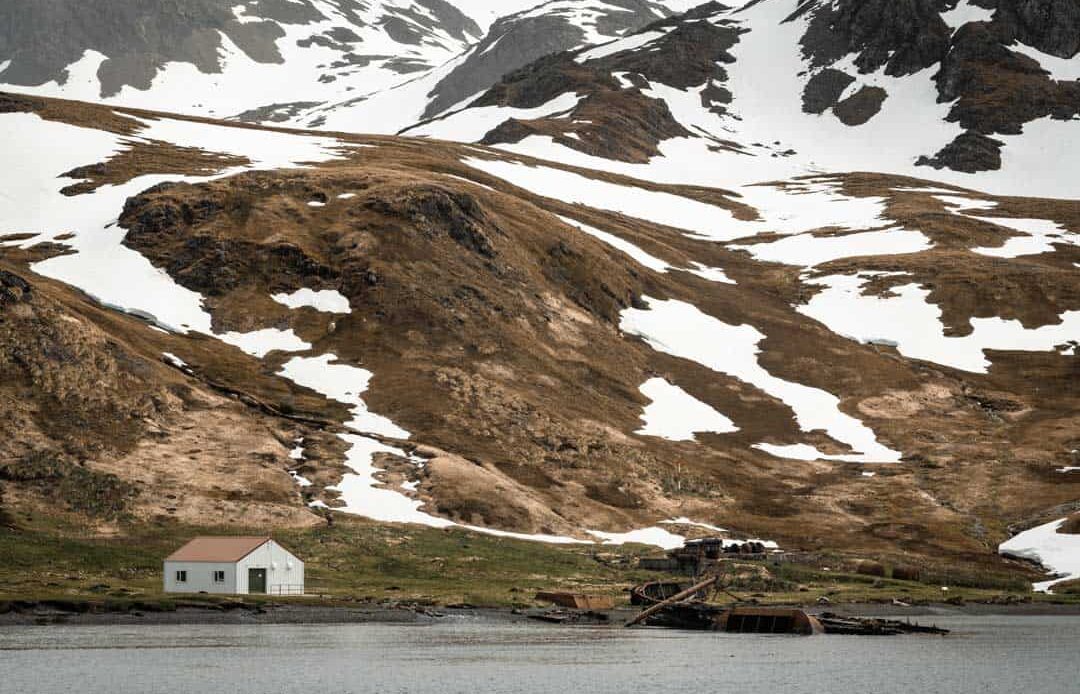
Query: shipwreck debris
[873, 626]
[687, 609]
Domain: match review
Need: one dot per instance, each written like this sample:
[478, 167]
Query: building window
[219, 577]
[181, 576]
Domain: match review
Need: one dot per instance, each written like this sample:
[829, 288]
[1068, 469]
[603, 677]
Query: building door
[256, 580]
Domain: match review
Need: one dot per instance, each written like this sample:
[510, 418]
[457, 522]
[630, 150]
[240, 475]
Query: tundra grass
[357, 562]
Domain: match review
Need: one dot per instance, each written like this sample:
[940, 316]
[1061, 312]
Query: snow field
[676, 415]
[644, 258]
[1058, 552]
[914, 325]
[325, 300]
[682, 330]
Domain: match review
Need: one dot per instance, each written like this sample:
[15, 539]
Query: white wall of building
[284, 573]
[200, 577]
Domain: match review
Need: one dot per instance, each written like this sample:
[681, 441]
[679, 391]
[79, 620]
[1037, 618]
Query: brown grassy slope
[97, 425]
[491, 329]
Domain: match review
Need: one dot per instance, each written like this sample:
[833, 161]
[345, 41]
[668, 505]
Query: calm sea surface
[985, 655]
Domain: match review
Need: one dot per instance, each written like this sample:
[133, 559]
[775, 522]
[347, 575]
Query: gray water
[985, 655]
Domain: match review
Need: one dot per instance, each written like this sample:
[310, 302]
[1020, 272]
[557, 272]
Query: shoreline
[50, 613]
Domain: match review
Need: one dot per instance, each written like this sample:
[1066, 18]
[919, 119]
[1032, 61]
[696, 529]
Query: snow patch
[644, 258]
[325, 300]
[965, 204]
[266, 149]
[629, 43]
[808, 250]
[1060, 69]
[470, 125]
[682, 330]
[660, 208]
[914, 325]
[657, 537]
[259, 343]
[175, 360]
[676, 415]
[964, 12]
[1058, 552]
[1041, 234]
[345, 384]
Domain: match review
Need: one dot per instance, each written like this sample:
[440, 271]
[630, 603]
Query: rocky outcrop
[997, 90]
[861, 106]
[1052, 26]
[13, 289]
[160, 224]
[437, 211]
[613, 120]
[823, 90]
[969, 152]
[689, 54]
[903, 36]
[522, 38]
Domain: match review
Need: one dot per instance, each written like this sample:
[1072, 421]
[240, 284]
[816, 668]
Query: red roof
[224, 549]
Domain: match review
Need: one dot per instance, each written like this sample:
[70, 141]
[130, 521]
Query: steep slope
[265, 58]
[446, 333]
[986, 98]
[512, 42]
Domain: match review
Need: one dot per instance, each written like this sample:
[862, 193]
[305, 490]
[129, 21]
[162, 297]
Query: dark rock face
[623, 124]
[541, 81]
[905, 36]
[823, 90]
[449, 19]
[997, 91]
[435, 211]
[160, 226]
[687, 56]
[518, 40]
[861, 106]
[275, 113]
[13, 288]
[969, 152]
[1052, 26]
[43, 37]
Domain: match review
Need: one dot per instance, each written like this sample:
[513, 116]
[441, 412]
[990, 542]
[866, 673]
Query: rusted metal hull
[656, 592]
[698, 616]
[767, 620]
[864, 626]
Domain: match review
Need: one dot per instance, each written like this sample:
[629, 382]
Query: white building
[234, 565]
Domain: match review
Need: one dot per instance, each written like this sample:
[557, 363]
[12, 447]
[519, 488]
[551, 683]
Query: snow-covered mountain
[223, 57]
[776, 88]
[511, 43]
[269, 60]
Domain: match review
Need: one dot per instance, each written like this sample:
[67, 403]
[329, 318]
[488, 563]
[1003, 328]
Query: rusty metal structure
[768, 620]
[697, 557]
[668, 606]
